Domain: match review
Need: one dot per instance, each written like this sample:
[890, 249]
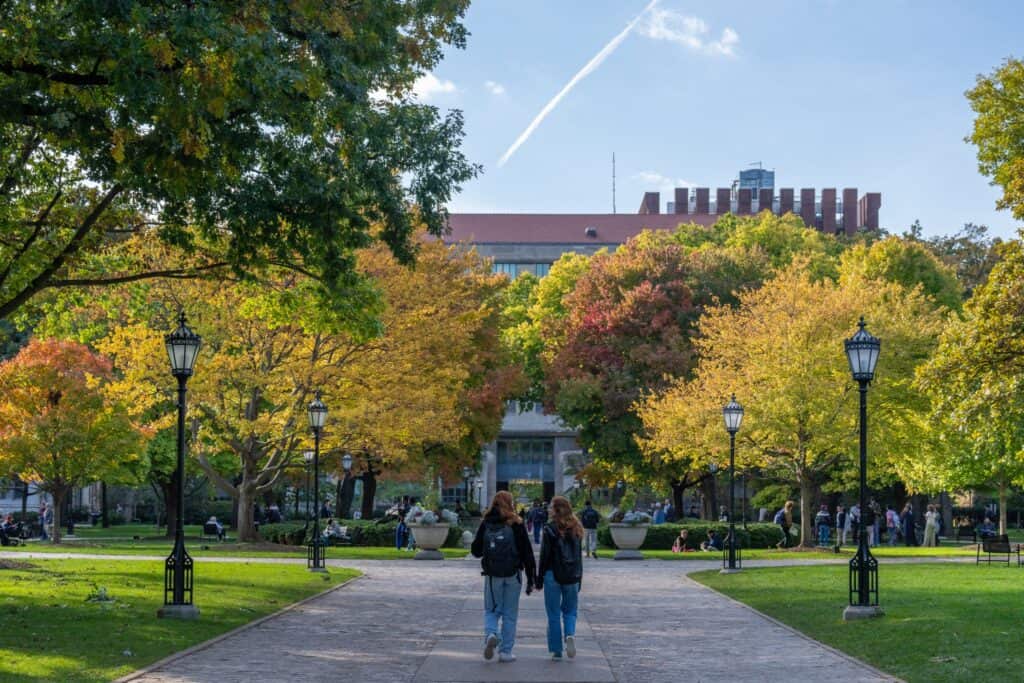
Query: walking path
[421, 622]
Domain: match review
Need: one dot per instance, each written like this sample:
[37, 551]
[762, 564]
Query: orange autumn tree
[58, 427]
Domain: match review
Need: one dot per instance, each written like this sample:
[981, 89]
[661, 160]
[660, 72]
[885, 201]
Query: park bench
[210, 531]
[344, 539]
[998, 545]
[966, 534]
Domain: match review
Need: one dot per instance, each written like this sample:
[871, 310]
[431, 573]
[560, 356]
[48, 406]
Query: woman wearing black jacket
[560, 576]
[505, 551]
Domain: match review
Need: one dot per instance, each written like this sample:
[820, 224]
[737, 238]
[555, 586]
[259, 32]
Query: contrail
[580, 75]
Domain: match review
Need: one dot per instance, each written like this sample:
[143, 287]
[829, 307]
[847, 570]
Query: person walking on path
[590, 518]
[538, 517]
[931, 527]
[45, 520]
[821, 520]
[560, 576]
[840, 525]
[505, 553]
[784, 518]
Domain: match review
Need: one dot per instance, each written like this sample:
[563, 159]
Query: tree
[998, 101]
[780, 351]
[244, 135]
[906, 262]
[970, 252]
[57, 425]
[976, 379]
[425, 389]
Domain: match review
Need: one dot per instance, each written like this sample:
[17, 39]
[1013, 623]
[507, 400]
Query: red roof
[561, 228]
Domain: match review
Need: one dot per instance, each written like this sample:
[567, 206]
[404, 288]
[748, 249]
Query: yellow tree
[425, 380]
[58, 427]
[780, 351]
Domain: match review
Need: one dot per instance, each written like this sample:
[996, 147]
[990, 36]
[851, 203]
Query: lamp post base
[857, 612]
[628, 555]
[319, 570]
[184, 612]
[726, 570]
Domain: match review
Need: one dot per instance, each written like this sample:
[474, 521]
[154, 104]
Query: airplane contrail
[580, 75]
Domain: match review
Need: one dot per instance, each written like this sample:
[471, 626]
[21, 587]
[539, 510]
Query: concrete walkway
[421, 622]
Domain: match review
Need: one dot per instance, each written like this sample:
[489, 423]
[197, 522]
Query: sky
[825, 92]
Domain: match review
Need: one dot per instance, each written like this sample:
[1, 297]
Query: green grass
[942, 622]
[846, 553]
[200, 549]
[51, 632]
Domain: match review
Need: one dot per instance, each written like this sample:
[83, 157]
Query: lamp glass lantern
[182, 348]
[308, 457]
[317, 413]
[467, 472]
[346, 462]
[733, 415]
[862, 353]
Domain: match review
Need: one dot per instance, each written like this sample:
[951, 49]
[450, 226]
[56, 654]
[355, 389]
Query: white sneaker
[570, 646]
[489, 645]
[506, 657]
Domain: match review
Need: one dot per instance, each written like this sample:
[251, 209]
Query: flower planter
[628, 539]
[429, 540]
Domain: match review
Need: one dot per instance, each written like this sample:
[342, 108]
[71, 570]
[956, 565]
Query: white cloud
[494, 87]
[654, 181]
[691, 32]
[428, 86]
[587, 69]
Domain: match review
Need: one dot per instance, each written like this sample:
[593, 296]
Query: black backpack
[501, 557]
[590, 518]
[567, 559]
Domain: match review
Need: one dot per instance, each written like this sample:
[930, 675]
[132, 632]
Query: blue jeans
[501, 600]
[537, 528]
[560, 603]
[400, 532]
[823, 530]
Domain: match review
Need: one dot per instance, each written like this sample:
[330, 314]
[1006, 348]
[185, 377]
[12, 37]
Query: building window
[453, 494]
[541, 269]
[505, 269]
[526, 459]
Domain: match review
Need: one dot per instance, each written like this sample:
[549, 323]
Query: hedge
[662, 536]
[363, 533]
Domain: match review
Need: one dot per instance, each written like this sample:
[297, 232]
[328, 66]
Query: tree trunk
[347, 495]
[170, 494]
[708, 489]
[1002, 507]
[246, 523]
[808, 492]
[677, 497]
[103, 505]
[946, 505]
[369, 491]
[59, 494]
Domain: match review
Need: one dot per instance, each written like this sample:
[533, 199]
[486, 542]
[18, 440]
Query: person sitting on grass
[712, 543]
[679, 545]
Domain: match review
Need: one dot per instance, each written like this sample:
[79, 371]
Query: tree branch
[173, 274]
[67, 77]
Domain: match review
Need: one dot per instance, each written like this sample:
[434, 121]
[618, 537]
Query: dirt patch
[16, 564]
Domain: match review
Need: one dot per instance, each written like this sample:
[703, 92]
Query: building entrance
[526, 468]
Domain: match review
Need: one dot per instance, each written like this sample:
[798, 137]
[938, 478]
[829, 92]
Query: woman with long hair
[560, 576]
[504, 549]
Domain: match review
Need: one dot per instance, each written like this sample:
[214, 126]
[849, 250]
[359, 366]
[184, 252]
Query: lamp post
[182, 348]
[713, 468]
[317, 416]
[733, 415]
[467, 472]
[308, 457]
[862, 353]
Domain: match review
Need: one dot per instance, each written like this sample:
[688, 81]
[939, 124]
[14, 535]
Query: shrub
[285, 533]
[363, 533]
[662, 536]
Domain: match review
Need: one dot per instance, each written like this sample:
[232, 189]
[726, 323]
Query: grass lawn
[201, 549]
[51, 631]
[846, 553]
[943, 622]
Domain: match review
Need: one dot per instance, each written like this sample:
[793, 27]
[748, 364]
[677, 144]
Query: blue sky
[829, 94]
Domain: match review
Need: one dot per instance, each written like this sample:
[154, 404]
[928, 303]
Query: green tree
[998, 102]
[906, 262]
[242, 134]
[976, 381]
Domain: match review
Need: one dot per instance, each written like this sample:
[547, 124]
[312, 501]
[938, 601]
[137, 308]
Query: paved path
[421, 622]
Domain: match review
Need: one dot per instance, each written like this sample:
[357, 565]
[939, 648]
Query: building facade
[535, 454]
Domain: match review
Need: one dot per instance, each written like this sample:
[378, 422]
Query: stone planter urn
[429, 539]
[628, 539]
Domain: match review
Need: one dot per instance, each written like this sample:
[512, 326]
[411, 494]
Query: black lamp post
[317, 416]
[862, 353]
[733, 415]
[307, 456]
[182, 348]
[713, 468]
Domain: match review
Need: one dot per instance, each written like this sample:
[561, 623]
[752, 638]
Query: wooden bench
[998, 545]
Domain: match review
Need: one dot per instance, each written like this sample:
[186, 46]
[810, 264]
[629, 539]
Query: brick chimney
[650, 204]
[682, 200]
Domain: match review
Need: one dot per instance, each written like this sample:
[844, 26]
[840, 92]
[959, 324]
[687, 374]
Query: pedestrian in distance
[784, 518]
[907, 520]
[560, 576]
[840, 526]
[505, 553]
[539, 517]
[821, 521]
[590, 518]
[892, 523]
[931, 527]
